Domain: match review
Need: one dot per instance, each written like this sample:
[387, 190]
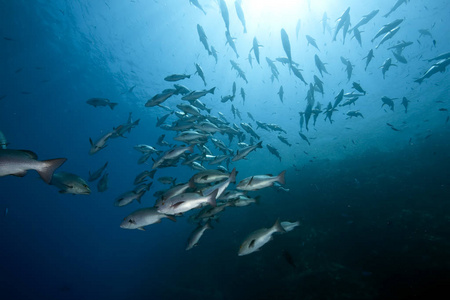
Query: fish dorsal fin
[29, 153]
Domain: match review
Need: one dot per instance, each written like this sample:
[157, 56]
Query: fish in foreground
[259, 238]
[18, 162]
[197, 234]
[143, 217]
[69, 183]
[257, 182]
[101, 102]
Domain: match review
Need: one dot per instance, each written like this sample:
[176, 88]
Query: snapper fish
[69, 183]
[18, 162]
[100, 143]
[197, 234]
[254, 241]
[144, 217]
[257, 182]
[101, 102]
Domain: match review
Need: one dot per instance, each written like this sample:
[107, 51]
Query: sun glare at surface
[278, 13]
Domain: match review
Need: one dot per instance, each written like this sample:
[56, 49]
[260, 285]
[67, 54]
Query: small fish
[197, 233]
[144, 217]
[96, 175]
[102, 184]
[197, 4]
[259, 238]
[240, 14]
[304, 138]
[443, 109]
[257, 182]
[69, 183]
[100, 143]
[176, 77]
[101, 102]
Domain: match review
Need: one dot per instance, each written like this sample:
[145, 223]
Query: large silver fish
[18, 162]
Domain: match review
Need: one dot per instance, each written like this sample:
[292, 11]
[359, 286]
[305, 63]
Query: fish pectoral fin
[250, 181]
[20, 174]
[252, 244]
[177, 204]
[63, 192]
[141, 228]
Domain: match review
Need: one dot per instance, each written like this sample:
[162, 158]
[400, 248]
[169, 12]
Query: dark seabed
[370, 190]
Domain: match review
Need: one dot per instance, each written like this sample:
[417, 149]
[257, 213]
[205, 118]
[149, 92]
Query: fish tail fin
[208, 225]
[212, 198]
[138, 198]
[280, 177]
[171, 218]
[257, 199]
[49, 167]
[259, 145]
[112, 105]
[211, 91]
[277, 227]
[191, 183]
[233, 175]
[191, 148]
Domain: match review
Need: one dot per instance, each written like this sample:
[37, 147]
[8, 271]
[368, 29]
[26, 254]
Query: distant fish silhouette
[288, 257]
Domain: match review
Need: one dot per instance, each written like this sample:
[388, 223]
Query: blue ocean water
[371, 193]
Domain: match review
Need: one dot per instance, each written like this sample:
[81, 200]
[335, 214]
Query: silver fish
[69, 183]
[259, 238]
[197, 234]
[257, 182]
[143, 217]
[18, 162]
